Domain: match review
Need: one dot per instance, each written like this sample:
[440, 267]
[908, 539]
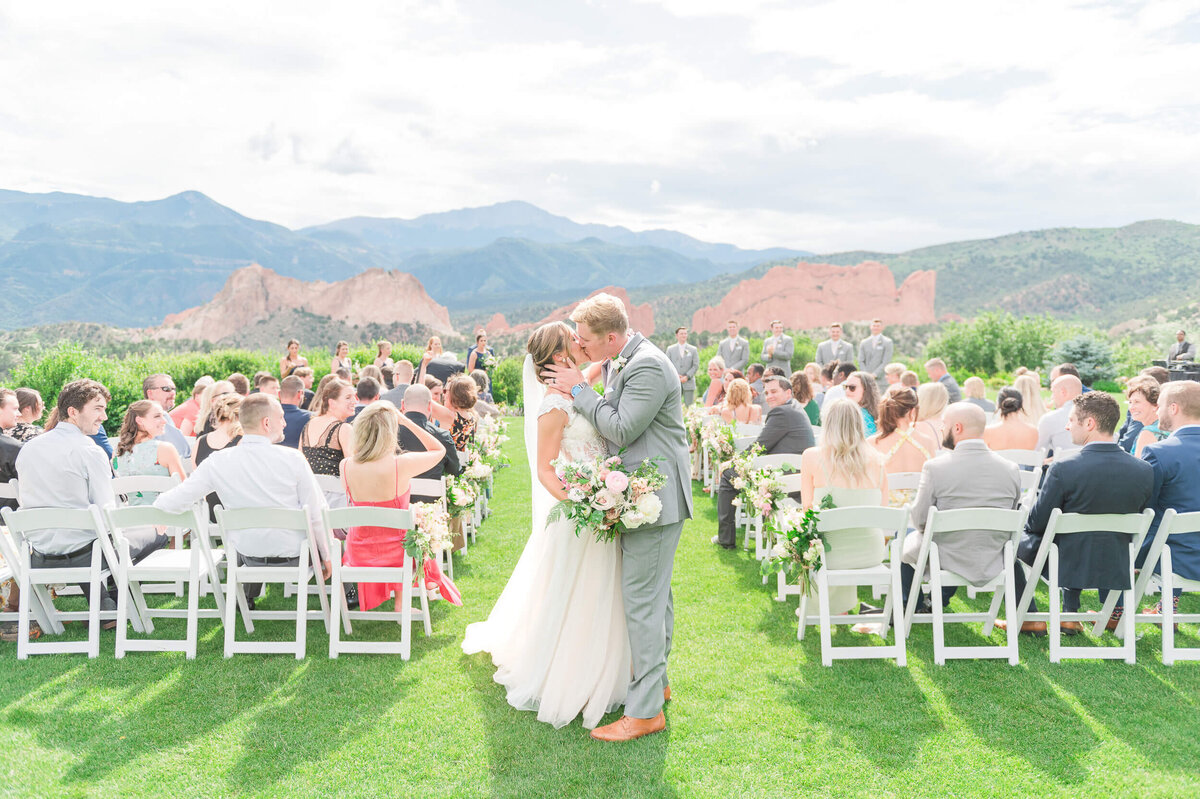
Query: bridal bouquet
[800, 545]
[760, 491]
[430, 535]
[606, 499]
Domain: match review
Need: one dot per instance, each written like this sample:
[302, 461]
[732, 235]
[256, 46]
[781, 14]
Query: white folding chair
[783, 462]
[943, 524]
[331, 486]
[1131, 524]
[395, 519]
[9, 490]
[1165, 582]
[1023, 457]
[831, 523]
[742, 429]
[296, 520]
[192, 567]
[903, 481]
[741, 444]
[471, 522]
[436, 489]
[12, 569]
[125, 487]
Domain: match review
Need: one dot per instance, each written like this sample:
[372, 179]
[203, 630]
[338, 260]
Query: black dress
[203, 450]
[323, 459]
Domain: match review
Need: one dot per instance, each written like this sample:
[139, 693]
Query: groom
[641, 414]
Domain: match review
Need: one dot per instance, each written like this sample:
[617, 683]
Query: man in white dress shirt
[1052, 429]
[875, 353]
[834, 348]
[777, 350]
[256, 474]
[734, 350]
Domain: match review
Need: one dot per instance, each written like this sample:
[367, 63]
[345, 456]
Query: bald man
[1052, 429]
[969, 475]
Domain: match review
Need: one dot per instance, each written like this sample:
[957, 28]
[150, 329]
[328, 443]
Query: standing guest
[457, 414]
[377, 477]
[802, 393]
[190, 410]
[161, 389]
[1095, 476]
[1032, 406]
[417, 406]
[240, 383]
[976, 393]
[715, 393]
[30, 410]
[292, 359]
[932, 399]
[968, 475]
[936, 369]
[1143, 394]
[893, 372]
[141, 451]
[291, 391]
[754, 376]
[738, 406]
[269, 385]
[341, 357]
[326, 439]
[874, 354]
[1011, 431]
[305, 373]
[226, 432]
[786, 431]
[909, 379]
[777, 350]
[480, 356]
[686, 360]
[204, 415]
[383, 354]
[402, 376]
[255, 474]
[1052, 429]
[861, 389]
[834, 348]
[433, 350]
[903, 444]
[365, 393]
[734, 350]
[1182, 349]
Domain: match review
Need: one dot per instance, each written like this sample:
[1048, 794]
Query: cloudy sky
[820, 125]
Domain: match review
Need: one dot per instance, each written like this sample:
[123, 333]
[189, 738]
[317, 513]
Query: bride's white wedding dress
[557, 633]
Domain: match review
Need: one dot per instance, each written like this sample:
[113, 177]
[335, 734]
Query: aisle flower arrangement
[489, 439]
[799, 548]
[718, 440]
[760, 491]
[605, 499]
[431, 533]
[694, 418]
[460, 495]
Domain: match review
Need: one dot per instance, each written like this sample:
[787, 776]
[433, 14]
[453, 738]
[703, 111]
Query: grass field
[754, 712]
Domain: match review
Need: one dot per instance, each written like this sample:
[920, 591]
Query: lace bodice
[580, 440]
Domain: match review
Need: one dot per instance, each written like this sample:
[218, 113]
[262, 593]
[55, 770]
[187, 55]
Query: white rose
[650, 506]
[576, 495]
[604, 500]
[632, 518]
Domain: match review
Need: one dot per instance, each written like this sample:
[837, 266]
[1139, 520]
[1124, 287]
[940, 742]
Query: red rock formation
[254, 292]
[814, 295]
[497, 325]
[641, 317]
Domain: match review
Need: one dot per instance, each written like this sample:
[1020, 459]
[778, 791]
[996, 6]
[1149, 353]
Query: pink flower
[614, 460]
[604, 473]
[617, 481]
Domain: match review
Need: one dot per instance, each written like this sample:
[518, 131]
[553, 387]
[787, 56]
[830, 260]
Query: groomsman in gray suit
[734, 350]
[686, 360]
[778, 349]
[875, 353]
[834, 348]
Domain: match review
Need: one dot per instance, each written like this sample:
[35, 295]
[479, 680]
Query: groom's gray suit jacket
[649, 423]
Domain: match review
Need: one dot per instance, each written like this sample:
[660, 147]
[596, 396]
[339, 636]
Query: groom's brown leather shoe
[667, 694]
[628, 728]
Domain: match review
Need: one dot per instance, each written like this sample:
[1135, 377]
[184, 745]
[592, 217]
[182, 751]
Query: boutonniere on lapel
[619, 362]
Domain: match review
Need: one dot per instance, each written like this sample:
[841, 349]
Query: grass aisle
[754, 714]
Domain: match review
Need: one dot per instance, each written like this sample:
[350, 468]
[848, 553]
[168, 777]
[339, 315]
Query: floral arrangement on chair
[760, 491]
[800, 545]
[718, 440]
[460, 495]
[430, 535]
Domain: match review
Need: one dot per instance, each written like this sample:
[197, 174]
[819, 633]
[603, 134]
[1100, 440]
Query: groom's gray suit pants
[648, 555]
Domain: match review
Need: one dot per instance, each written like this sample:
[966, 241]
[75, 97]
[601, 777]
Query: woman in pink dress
[377, 477]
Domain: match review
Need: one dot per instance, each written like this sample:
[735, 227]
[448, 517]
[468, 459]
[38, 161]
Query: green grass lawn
[754, 712]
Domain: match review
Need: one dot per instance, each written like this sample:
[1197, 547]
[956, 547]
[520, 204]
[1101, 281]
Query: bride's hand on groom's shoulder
[561, 378]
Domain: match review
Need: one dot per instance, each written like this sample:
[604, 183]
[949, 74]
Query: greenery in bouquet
[694, 418]
[489, 439]
[460, 495]
[718, 440]
[799, 546]
[760, 491]
[430, 535]
[605, 499]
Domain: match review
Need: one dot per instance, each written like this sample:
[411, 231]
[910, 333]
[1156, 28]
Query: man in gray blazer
[936, 369]
[641, 417]
[834, 348]
[777, 350]
[686, 360]
[1182, 349]
[786, 431]
[968, 476]
[875, 353]
[734, 350]
[754, 376]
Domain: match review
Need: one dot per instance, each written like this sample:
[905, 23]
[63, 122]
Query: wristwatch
[575, 389]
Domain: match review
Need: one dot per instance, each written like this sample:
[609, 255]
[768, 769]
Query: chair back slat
[903, 481]
[147, 515]
[27, 520]
[1127, 523]
[345, 518]
[791, 482]
[9, 490]
[428, 487]
[144, 482]
[998, 519]
[835, 519]
[781, 461]
[1181, 523]
[251, 518]
[743, 443]
[1023, 457]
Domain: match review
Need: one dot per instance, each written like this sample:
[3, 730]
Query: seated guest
[388, 373]
[416, 406]
[305, 373]
[255, 474]
[1032, 406]
[786, 431]
[30, 410]
[377, 477]
[291, 360]
[372, 372]
[738, 406]
[365, 393]
[326, 439]
[1128, 434]
[1011, 431]
[714, 395]
[909, 379]
[436, 389]
[291, 392]
[838, 372]
[254, 381]
[813, 372]
[903, 444]
[345, 375]
[932, 399]
[862, 389]
[63, 468]
[341, 358]
[226, 432]
[1052, 429]
[269, 385]
[484, 404]
[190, 410]
[966, 475]
[161, 389]
[976, 394]
[402, 377]
[1143, 396]
[383, 354]
[1096, 476]
[754, 376]
[9, 446]
[204, 420]
[141, 451]
[936, 369]
[892, 373]
[802, 392]
[457, 415]
[240, 383]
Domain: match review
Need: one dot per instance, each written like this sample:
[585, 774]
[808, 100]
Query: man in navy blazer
[1100, 477]
[291, 392]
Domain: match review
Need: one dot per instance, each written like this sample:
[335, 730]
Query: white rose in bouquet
[604, 499]
[649, 506]
[576, 495]
[632, 518]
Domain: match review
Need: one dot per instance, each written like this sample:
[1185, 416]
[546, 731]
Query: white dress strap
[555, 402]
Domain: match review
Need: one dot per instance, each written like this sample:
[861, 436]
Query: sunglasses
[168, 389]
[852, 387]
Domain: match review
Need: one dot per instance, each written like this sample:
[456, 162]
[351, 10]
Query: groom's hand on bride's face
[561, 377]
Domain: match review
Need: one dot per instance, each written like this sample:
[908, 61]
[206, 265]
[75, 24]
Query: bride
[557, 633]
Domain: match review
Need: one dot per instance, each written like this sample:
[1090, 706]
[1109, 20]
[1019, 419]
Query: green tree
[1091, 356]
[995, 342]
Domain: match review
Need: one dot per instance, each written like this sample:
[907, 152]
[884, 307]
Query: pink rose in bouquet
[617, 482]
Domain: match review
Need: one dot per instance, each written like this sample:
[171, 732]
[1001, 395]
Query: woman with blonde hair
[292, 359]
[377, 476]
[383, 354]
[738, 406]
[204, 416]
[932, 399]
[226, 432]
[138, 451]
[433, 351]
[1033, 408]
[975, 392]
[716, 383]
